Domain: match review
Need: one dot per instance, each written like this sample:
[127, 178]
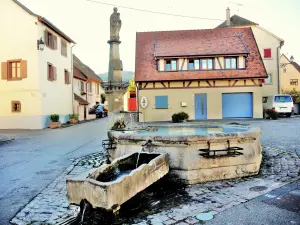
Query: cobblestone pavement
[279, 168]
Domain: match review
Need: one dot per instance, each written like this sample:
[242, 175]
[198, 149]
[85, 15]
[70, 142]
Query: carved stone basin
[113, 184]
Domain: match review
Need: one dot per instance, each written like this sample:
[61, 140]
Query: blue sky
[88, 23]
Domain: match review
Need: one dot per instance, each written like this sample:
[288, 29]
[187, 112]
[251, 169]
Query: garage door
[237, 105]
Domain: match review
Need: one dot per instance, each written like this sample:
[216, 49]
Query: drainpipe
[72, 72]
[278, 68]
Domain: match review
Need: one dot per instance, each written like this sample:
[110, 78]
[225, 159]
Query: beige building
[209, 74]
[87, 89]
[35, 81]
[290, 74]
[269, 46]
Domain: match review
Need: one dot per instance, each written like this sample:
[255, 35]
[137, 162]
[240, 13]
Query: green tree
[132, 86]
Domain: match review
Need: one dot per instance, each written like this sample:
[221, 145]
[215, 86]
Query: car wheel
[288, 114]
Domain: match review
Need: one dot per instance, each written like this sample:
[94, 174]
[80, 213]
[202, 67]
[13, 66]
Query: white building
[87, 89]
[269, 46]
[34, 84]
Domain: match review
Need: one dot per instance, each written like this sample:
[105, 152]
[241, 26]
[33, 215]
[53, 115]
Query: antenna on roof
[238, 6]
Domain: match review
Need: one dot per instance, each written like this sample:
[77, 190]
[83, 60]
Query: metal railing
[115, 85]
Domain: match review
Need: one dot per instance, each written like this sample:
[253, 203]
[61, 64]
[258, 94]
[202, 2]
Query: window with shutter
[67, 77]
[50, 40]
[267, 53]
[64, 48]
[51, 72]
[161, 102]
[14, 70]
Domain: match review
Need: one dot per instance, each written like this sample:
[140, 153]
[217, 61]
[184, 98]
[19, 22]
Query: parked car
[282, 104]
[101, 111]
[93, 109]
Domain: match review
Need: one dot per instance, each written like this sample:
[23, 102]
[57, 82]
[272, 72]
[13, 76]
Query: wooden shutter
[23, 69]
[4, 70]
[46, 37]
[69, 78]
[267, 53]
[54, 73]
[54, 42]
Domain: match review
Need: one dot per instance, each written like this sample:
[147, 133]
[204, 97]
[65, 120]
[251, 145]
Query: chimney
[228, 17]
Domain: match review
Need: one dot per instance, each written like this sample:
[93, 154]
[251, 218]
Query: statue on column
[115, 25]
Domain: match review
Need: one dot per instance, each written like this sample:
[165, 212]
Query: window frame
[171, 68]
[230, 58]
[90, 87]
[9, 69]
[63, 46]
[50, 73]
[13, 105]
[67, 77]
[206, 59]
[97, 89]
[82, 86]
[162, 96]
[265, 51]
[294, 82]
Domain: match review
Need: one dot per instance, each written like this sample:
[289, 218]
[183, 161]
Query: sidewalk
[278, 207]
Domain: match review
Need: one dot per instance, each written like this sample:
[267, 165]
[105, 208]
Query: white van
[283, 104]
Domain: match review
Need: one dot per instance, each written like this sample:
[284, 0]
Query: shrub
[272, 114]
[179, 117]
[74, 116]
[54, 118]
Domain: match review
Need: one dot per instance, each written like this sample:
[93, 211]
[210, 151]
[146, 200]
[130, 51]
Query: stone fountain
[142, 155]
[110, 185]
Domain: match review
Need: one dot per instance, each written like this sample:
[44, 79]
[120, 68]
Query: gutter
[278, 69]
[72, 72]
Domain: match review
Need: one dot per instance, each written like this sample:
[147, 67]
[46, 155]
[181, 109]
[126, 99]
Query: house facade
[269, 46]
[87, 89]
[209, 74]
[290, 74]
[34, 84]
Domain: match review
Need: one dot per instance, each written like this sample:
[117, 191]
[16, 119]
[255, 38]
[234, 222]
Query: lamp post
[40, 44]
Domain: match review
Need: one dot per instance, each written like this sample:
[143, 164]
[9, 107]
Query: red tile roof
[79, 75]
[85, 70]
[296, 65]
[221, 41]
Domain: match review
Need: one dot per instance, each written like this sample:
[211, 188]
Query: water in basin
[187, 131]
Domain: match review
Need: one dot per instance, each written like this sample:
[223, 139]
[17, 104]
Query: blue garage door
[237, 105]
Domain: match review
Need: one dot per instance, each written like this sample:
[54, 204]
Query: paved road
[283, 133]
[36, 158]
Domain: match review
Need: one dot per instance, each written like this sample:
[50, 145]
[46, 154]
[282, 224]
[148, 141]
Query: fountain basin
[197, 152]
[113, 184]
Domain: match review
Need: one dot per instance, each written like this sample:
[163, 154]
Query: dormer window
[191, 64]
[206, 64]
[171, 65]
[230, 63]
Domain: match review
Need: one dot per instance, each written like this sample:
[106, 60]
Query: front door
[84, 113]
[200, 107]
